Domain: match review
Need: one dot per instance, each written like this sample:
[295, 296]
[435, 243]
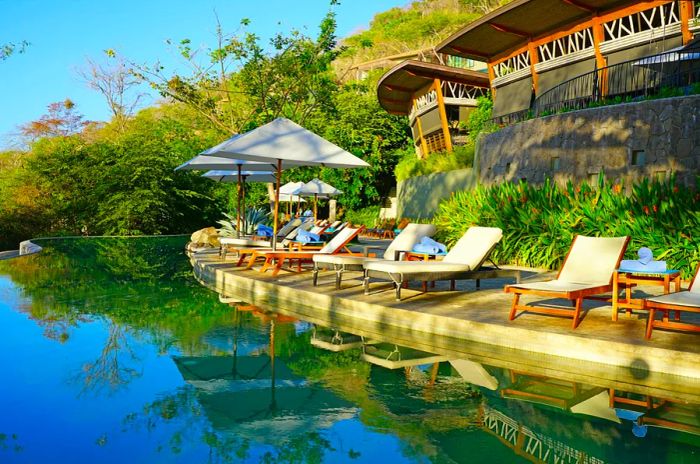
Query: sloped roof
[397, 86]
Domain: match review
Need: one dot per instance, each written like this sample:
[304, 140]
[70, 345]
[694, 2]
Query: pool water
[112, 352]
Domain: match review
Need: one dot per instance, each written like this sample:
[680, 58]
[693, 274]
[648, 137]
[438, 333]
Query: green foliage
[539, 223]
[367, 216]
[410, 165]
[479, 120]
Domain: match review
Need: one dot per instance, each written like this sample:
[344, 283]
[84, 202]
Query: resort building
[528, 50]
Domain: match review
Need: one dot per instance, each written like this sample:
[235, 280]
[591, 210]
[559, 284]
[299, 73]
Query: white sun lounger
[687, 300]
[587, 271]
[464, 261]
[405, 241]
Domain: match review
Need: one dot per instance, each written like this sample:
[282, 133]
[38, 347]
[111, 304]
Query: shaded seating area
[464, 261]
[687, 301]
[587, 270]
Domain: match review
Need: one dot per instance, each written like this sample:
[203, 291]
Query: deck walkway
[462, 321]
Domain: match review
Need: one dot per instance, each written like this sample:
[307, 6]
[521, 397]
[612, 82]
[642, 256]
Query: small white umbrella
[286, 144]
[288, 189]
[206, 162]
[317, 188]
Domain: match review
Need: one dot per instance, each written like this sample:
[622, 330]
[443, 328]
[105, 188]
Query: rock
[207, 236]
[28, 248]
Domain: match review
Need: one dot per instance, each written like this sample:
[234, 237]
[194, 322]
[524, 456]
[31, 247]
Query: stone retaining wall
[419, 197]
[628, 141]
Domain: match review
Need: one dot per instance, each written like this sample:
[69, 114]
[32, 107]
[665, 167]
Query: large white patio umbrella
[317, 188]
[286, 144]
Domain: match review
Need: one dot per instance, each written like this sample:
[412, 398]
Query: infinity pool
[112, 352]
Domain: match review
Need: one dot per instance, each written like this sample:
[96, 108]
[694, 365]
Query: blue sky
[64, 33]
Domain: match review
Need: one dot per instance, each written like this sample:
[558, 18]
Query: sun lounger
[276, 259]
[464, 261]
[405, 241]
[244, 247]
[687, 300]
[587, 271]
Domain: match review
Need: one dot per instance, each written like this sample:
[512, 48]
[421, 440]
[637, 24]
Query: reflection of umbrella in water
[259, 397]
[286, 144]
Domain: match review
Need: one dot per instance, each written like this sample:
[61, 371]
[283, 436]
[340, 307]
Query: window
[638, 158]
[554, 163]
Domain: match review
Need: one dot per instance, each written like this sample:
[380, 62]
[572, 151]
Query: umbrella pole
[277, 205]
[240, 191]
[315, 207]
[243, 193]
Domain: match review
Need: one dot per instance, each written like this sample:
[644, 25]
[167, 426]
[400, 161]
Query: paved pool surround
[468, 319]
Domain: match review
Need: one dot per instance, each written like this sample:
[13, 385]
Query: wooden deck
[471, 322]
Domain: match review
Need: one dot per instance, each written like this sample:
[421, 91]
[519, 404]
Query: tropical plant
[461, 157]
[540, 222]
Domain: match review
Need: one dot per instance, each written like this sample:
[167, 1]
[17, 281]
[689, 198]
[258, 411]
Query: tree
[117, 84]
[10, 48]
[62, 119]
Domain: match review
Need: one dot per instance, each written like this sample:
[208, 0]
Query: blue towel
[428, 245]
[304, 236]
[645, 263]
[264, 231]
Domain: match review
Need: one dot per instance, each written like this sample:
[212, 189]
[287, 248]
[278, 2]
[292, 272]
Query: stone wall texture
[418, 197]
[627, 142]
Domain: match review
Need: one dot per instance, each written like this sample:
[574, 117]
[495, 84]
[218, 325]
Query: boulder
[27, 248]
[207, 236]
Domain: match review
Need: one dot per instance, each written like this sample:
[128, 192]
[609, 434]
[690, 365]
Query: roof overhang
[514, 24]
[397, 86]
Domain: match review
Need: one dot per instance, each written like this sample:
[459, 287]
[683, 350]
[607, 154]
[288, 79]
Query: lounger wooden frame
[666, 308]
[480, 272]
[276, 259]
[576, 297]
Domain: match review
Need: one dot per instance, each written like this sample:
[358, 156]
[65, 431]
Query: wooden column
[423, 145]
[534, 59]
[600, 61]
[492, 76]
[687, 15]
[443, 114]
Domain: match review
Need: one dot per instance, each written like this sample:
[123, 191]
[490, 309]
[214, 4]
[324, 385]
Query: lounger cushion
[343, 259]
[473, 247]
[415, 267]
[592, 259]
[244, 242]
[408, 238]
[691, 299]
[559, 286]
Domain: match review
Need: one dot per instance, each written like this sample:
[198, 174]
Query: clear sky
[63, 33]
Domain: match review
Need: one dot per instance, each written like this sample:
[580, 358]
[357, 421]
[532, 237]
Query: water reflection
[175, 375]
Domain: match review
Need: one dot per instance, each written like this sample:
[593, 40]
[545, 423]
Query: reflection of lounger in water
[393, 356]
[560, 394]
[334, 340]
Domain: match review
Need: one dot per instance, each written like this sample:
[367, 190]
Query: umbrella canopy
[206, 163]
[291, 198]
[284, 140]
[285, 144]
[246, 176]
[317, 188]
[290, 188]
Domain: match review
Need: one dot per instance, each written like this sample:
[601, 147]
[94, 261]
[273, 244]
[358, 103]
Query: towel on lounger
[264, 231]
[304, 236]
[428, 245]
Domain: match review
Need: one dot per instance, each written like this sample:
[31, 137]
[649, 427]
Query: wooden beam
[508, 30]
[393, 100]
[423, 145]
[443, 114]
[580, 5]
[687, 14]
[492, 76]
[398, 88]
[469, 51]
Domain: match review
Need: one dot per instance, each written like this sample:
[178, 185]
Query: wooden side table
[629, 278]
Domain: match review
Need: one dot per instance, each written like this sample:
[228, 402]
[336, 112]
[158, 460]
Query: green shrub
[410, 165]
[540, 222]
[366, 216]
